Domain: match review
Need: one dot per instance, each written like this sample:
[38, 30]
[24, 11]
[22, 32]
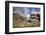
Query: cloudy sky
[27, 10]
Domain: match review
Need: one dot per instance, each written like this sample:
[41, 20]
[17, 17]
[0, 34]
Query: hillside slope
[21, 22]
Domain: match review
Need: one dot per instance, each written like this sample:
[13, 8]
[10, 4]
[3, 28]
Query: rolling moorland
[21, 22]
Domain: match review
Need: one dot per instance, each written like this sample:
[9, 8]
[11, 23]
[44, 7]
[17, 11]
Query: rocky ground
[21, 22]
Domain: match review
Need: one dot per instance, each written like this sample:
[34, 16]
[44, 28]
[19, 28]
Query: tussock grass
[19, 22]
